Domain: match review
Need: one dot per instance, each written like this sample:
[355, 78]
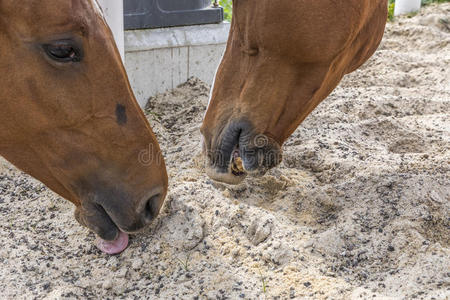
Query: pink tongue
[113, 247]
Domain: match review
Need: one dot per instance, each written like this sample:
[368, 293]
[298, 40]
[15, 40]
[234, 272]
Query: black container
[141, 14]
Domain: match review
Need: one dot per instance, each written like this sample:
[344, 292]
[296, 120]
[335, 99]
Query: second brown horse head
[282, 59]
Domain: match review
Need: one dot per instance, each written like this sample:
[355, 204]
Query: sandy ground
[358, 209]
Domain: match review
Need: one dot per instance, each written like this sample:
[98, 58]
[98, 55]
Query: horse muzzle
[109, 214]
[240, 151]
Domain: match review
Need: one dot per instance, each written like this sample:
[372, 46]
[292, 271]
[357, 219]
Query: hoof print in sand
[184, 228]
[259, 230]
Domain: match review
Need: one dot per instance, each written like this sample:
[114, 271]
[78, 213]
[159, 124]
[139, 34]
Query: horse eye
[63, 51]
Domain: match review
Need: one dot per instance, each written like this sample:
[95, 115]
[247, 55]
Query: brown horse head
[282, 59]
[69, 117]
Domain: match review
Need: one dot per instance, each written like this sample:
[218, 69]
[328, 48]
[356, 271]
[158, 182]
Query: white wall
[158, 60]
[113, 10]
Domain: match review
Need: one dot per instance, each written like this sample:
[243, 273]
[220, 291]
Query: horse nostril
[152, 207]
